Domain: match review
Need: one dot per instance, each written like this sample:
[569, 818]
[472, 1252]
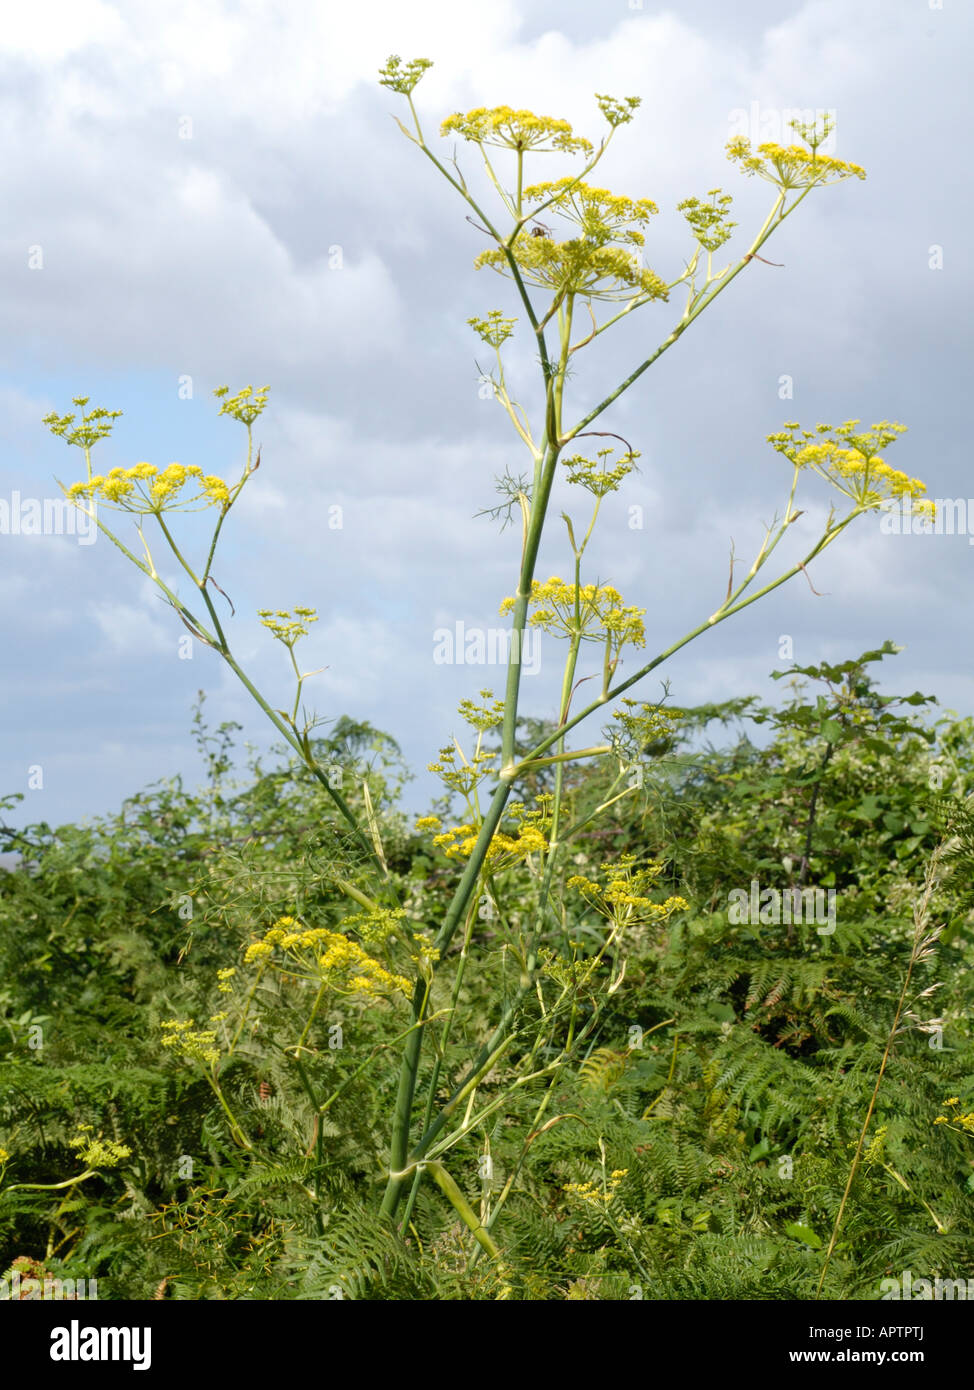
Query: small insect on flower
[539, 229]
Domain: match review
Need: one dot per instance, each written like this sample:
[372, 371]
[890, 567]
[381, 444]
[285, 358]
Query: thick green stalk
[399, 1145]
[441, 1053]
[410, 1061]
[532, 543]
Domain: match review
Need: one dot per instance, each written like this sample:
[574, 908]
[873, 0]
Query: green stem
[411, 1054]
[311, 1018]
[235, 1129]
[319, 1156]
[441, 1053]
[50, 1186]
[463, 1208]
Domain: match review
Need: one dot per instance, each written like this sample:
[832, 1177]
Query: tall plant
[571, 283]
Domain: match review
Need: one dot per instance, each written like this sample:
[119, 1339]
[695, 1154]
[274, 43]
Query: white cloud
[128, 630]
[49, 30]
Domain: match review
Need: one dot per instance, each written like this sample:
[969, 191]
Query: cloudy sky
[201, 192]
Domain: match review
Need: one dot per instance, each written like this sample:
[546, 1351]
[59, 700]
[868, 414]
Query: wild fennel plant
[570, 284]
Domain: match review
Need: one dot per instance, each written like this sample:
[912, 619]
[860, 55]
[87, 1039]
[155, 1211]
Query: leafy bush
[696, 1146]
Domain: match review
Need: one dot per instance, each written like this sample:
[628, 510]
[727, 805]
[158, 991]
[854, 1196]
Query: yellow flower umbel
[96, 1152]
[955, 1119]
[790, 166]
[594, 264]
[530, 836]
[494, 330]
[144, 489]
[459, 773]
[623, 898]
[285, 626]
[196, 1044]
[600, 215]
[508, 129]
[588, 613]
[588, 1193]
[245, 406]
[850, 460]
[95, 424]
[597, 477]
[400, 77]
[708, 221]
[502, 851]
[331, 959]
[642, 728]
[199, 1045]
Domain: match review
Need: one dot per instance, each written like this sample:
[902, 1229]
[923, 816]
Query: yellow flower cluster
[708, 221]
[955, 1117]
[96, 1152]
[593, 612]
[876, 1147]
[285, 626]
[530, 837]
[483, 717]
[463, 776]
[598, 478]
[199, 1045]
[403, 79]
[376, 926]
[577, 267]
[495, 329]
[329, 957]
[850, 460]
[143, 488]
[459, 843]
[245, 406]
[462, 779]
[790, 166]
[508, 129]
[617, 112]
[603, 216]
[588, 1192]
[95, 424]
[589, 264]
[642, 725]
[423, 954]
[623, 898]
